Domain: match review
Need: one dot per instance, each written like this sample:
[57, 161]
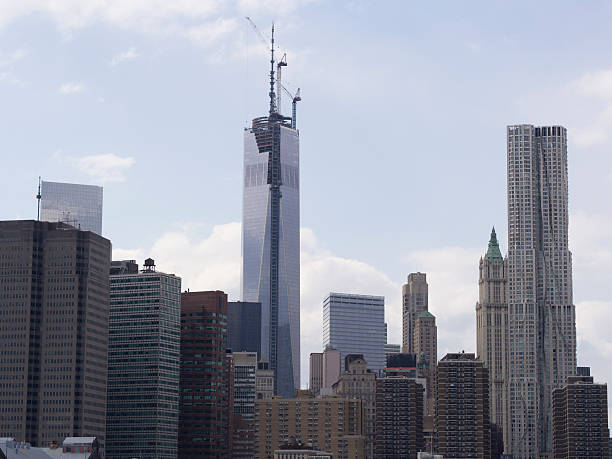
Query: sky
[402, 137]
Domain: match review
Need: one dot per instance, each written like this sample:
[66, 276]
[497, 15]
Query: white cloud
[70, 88]
[124, 56]
[104, 168]
[593, 320]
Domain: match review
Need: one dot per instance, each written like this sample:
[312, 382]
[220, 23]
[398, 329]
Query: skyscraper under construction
[271, 236]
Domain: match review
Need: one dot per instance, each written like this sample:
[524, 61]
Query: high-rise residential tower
[492, 329]
[541, 313]
[54, 294]
[580, 419]
[415, 300]
[77, 205]
[143, 362]
[462, 407]
[355, 324]
[271, 238]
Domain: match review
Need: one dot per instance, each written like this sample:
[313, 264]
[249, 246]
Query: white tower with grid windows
[541, 313]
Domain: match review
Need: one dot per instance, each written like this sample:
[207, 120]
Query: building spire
[493, 251]
[272, 93]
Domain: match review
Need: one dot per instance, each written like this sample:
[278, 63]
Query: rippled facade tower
[271, 239]
[541, 313]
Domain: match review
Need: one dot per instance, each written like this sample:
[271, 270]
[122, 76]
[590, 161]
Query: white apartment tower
[541, 313]
[492, 328]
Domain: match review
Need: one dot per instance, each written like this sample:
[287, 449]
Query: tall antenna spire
[272, 94]
[38, 196]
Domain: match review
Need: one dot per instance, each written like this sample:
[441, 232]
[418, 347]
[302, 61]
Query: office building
[358, 382]
[206, 377]
[492, 329]
[426, 351]
[355, 324]
[541, 313]
[328, 423]
[143, 362]
[399, 417]
[331, 366]
[462, 407]
[392, 349]
[415, 299]
[580, 419]
[53, 333]
[316, 372]
[244, 327]
[244, 396]
[76, 205]
[271, 238]
[264, 380]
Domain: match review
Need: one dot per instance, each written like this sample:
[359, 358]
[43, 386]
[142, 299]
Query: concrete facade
[54, 293]
[358, 382]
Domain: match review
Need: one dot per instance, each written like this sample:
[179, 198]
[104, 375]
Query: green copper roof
[426, 314]
[493, 252]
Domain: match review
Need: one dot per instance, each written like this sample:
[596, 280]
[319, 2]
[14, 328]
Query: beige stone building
[492, 329]
[330, 423]
[415, 294]
[359, 382]
[426, 350]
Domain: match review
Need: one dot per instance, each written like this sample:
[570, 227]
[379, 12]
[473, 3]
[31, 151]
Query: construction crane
[295, 98]
[281, 63]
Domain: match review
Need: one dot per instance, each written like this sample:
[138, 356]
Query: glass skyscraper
[143, 362]
[541, 313]
[77, 205]
[355, 324]
[271, 239]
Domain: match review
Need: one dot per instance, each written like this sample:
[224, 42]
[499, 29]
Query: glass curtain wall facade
[355, 324]
[541, 313]
[77, 205]
[143, 365]
[271, 243]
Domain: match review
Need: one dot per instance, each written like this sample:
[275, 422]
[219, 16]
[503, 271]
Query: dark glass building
[244, 326]
[206, 379]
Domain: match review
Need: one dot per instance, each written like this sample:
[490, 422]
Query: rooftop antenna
[272, 95]
[38, 197]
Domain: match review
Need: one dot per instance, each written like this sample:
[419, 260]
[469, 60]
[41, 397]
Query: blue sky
[402, 130]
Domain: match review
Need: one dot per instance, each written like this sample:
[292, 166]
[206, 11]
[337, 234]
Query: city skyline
[379, 266]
